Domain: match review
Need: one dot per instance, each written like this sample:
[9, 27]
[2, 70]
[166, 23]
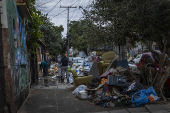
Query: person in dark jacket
[44, 66]
[64, 61]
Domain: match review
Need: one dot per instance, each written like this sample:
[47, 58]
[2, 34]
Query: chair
[81, 79]
[107, 57]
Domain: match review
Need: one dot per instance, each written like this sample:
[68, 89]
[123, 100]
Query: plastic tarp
[141, 97]
[79, 88]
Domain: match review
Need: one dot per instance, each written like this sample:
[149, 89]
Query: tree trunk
[159, 85]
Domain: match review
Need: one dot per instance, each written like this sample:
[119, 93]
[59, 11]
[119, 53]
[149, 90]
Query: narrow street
[58, 98]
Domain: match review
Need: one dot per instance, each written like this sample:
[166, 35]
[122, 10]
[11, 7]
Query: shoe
[59, 79]
[62, 81]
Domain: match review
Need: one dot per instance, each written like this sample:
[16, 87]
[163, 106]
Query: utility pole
[68, 7]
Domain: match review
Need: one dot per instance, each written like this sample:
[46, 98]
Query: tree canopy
[52, 36]
[33, 28]
[41, 27]
[85, 34]
[140, 20]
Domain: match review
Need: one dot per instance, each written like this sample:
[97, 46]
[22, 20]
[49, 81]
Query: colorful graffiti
[18, 50]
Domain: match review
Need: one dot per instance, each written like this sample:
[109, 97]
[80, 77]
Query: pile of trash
[80, 69]
[116, 88]
[53, 70]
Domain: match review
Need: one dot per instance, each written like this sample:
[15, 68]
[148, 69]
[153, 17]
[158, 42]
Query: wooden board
[96, 88]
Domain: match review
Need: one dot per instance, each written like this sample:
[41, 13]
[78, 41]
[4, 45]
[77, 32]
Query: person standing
[64, 69]
[59, 68]
[44, 66]
[49, 62]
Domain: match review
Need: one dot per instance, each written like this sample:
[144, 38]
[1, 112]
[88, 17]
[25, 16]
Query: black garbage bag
[132, 87]
[128, 103]
[103, 99]
[91, 85]
[96, 80]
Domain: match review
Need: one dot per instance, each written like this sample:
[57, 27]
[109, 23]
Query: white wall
[139, 48]
[3, 15]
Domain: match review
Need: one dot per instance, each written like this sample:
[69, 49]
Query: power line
[60, 13]
[44, 3]
[74, 2]
[74, 12]
[81, 5]
[54, 6]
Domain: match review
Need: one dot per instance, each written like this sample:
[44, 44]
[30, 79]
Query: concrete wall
[15, 55]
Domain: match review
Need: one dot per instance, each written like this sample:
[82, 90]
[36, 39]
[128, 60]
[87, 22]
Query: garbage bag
[139, 98]
[127, 102]
[153, 97]
[132, 87]
[149, 91]
[71, 80]
[79, 88]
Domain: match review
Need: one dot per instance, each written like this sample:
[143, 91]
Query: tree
[77, 36]
[142, 20]
[52, 36]
[85, 34]
[33, 28]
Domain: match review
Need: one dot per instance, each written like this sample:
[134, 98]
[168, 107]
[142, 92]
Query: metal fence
[2, 79]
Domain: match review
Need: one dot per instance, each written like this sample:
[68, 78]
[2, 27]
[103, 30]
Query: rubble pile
[117, 88]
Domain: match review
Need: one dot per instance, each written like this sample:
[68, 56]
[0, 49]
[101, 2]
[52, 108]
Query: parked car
[137, 59]
[78, 61]
[97, 58]
[151, 61]
[88, 59]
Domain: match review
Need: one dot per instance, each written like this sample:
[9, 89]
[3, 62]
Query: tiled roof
[21, 1]
[41, 42]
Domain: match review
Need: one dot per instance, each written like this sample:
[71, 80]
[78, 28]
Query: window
[156, 48]
[148, 59]
[156, 58]
[138, 56]
[79, 61]
[143, 57]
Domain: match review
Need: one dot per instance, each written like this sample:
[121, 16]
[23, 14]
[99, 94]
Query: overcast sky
[58, 15]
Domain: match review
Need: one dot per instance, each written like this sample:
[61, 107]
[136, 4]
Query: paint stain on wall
[17, 60]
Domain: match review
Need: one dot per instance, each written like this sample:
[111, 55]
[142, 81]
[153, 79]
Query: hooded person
[44, 66]
[64, 69]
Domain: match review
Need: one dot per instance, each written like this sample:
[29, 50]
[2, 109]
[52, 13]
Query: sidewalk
[58, 98]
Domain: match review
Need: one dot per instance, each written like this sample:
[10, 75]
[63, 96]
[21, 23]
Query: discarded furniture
[107, 57]
[93, 91]
[116, 80]
[81, 79]
[94, 70]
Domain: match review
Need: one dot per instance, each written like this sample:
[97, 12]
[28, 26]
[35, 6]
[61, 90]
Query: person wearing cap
[64, 69]
[44, 66]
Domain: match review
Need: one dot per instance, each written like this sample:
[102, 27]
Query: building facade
[16, 75]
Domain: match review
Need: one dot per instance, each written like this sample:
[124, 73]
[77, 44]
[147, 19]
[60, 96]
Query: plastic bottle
[131, 86]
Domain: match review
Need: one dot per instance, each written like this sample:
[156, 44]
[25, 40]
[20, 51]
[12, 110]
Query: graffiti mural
[18, 50]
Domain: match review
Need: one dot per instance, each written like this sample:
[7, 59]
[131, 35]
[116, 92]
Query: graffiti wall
[17, 44]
